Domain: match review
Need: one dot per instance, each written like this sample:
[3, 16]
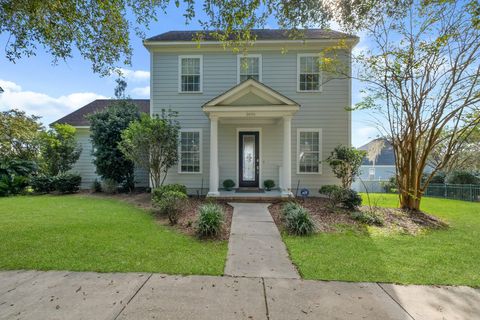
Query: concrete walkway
[255, 248]
[75, 296]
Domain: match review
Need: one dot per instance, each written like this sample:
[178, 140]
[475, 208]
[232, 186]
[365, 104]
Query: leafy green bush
[228, 184]
[210, 220]
[390, 186]
[269, 184]
[462, 177]
[67, 183]
[12, 185]
[15, 175]
[349, 198]
[171, 203]
[158, 192]
[42, 184]
[369, 218]
[110, 186]
[297, 219]
[96, 186]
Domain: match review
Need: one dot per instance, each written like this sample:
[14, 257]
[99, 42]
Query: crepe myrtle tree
[152, 144]
[101, 30]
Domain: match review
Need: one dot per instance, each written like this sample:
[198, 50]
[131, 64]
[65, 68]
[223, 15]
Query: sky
[35, 85]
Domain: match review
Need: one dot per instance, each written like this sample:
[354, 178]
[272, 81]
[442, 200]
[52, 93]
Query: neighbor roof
[261, 34]
[78, 117]
[386, 157]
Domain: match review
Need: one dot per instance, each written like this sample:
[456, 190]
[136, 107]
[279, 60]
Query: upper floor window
[249, 67]
[309, 150]
[309, 74]
[190, 151]
[190, 73]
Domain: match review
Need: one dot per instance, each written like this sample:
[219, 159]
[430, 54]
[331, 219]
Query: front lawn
[446, 256]
[83, 233]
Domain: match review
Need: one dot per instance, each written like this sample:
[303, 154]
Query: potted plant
[228, 184]
[268, 184]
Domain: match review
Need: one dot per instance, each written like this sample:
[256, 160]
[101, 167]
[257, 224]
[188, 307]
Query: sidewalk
[76, 295]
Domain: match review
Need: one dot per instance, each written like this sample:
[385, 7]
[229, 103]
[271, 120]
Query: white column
[213, 157]
[287, 154]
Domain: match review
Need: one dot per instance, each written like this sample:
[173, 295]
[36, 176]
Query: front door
[249, 159]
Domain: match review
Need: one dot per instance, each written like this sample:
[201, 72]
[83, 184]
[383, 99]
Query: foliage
[15, 175]
[59, 149]
[423, 87]
[42, 184]
[210, 220]
[171, 203]
[106, 127]
[228, 184]
[63, 26]
[110, 186]
[152, 144]
[440, 177]
[462, 177]
[99, 234]
[297, 219]
[370, 218]
[67, 183]
[96, 186]
[333, 193]
[390, 186]
[345, 162]
[351, 199]
[269, 184]
[19, 134]
[158, 192]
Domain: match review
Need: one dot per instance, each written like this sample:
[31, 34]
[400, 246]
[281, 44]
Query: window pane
[309, 148]
[190, 74]
[249, 68]
[309, 78]
[190, 151]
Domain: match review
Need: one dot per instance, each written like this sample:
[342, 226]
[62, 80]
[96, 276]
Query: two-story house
[270, 113]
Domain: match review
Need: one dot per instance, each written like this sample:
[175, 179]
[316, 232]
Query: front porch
[250, 140]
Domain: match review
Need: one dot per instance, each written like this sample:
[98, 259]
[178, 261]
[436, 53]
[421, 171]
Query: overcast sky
[51, 91]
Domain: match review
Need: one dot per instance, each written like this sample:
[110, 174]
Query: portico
[250, 137]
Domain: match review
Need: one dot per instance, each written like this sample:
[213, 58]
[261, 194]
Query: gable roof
[78, 117]
[386, 156]
[260, 34]
[264, 92]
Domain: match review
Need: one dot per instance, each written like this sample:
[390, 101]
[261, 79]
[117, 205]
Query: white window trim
[320, 77]
[320, 149]
[180, 57]
[257, 55]
[179, 166]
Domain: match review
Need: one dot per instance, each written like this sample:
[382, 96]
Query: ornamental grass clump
[210, 220]
[297, 219]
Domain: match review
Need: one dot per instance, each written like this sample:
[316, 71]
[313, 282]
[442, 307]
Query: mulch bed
[186, 221]
[332, 220]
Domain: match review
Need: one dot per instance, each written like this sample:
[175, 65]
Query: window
[309, 150]
[249, 67]
[371, 173]
[309, 75]
[190, 151]
[190, 73]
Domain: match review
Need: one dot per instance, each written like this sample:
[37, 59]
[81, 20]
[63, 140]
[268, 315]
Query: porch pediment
[251, 97]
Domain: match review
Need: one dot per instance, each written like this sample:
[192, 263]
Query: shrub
[210, 220]
[11, 185]
[369, 218]
[351, 199]
[171, 203]
[297, 219]
[345, 163]
[158, 192]
[15, 175]
[390, 186]
[462, 177]
[67, 183]
[333, 193]
[42, 184]
[269, 184]
[110, 186]
[228, 184]
[439, 178]
[96, 186]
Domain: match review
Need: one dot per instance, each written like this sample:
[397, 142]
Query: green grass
[82, 233]
[449, 257]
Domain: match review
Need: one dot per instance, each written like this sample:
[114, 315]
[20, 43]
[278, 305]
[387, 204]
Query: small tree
[106, 128]
[152, 144]
[345, 162]
[59, 149]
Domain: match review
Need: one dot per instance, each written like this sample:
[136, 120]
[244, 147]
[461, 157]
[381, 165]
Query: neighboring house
[383, 166]
[269, 114]
[84, 166]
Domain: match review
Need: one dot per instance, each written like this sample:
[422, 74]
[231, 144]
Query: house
[270, 113]
[84, 166]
